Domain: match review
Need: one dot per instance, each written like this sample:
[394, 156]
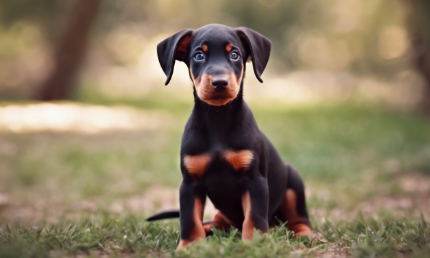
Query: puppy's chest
[218, 162]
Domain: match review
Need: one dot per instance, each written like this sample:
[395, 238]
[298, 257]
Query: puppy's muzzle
[220, 82]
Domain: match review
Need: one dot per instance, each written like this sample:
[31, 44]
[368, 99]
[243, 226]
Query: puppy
[224, 155]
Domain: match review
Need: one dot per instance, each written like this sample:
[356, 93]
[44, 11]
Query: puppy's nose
[219, 83]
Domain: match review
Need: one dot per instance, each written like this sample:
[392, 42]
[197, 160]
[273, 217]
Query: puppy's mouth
[218, 100]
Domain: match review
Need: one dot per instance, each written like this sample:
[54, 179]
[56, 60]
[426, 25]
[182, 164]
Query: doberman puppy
[224, 155]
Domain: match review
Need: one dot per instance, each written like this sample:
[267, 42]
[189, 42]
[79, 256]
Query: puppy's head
[216, 56]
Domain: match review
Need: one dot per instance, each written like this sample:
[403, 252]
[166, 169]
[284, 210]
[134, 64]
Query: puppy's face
[216, 56]
[216, 63]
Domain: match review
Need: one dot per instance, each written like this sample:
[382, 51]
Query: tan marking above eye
[239, 159]
[228, 47]
[205, 48]
[196, 165]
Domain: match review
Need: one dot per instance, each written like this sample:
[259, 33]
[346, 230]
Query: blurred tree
[360, 37]
[70, 52]
[419, 32]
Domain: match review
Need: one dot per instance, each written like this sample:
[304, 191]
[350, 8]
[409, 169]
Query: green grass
[130, 236]
[366, 170]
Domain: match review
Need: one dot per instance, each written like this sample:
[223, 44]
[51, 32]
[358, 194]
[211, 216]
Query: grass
[366, 169]
[131, 237]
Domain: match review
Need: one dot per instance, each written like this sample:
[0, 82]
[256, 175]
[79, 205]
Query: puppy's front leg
[255, 204]
[192, 202]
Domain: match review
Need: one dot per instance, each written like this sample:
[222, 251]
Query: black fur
[164, 215]
[215, 129]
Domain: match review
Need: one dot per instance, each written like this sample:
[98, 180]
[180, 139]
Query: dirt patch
[4, 200]
[53, 210]
[73, 117]
[413, 201]
[155, 199]
[415, 183]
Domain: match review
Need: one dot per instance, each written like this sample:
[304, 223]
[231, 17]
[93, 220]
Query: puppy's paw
[182, 245]
[302, 230]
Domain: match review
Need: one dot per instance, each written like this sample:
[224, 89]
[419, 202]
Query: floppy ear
[259, 48]
[171, 49]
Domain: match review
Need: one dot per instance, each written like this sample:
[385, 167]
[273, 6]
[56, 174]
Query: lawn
[86, 193]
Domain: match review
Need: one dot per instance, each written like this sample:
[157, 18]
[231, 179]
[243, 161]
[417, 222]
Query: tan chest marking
[239, 159]
[196, 165]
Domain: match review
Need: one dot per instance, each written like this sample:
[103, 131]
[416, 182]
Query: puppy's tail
[164, 215]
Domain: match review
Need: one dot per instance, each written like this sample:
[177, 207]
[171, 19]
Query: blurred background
[87, 126]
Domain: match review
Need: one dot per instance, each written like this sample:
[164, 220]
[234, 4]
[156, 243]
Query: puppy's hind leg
[220, 221]
[293, 205]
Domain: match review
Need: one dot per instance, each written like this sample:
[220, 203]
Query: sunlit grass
[72, 117]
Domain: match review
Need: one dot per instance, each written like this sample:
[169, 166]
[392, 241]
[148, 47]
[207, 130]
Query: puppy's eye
[234, 56]
[199, 56]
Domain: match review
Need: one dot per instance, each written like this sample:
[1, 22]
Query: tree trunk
[70, 52]
[422, 64]
[419, 32]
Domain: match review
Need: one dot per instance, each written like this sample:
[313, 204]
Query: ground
[84, 187]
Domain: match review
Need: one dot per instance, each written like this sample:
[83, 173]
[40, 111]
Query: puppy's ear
[171, 49]
[258, 47]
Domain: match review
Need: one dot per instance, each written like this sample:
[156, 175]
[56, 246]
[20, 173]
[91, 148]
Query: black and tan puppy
[223, 154]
